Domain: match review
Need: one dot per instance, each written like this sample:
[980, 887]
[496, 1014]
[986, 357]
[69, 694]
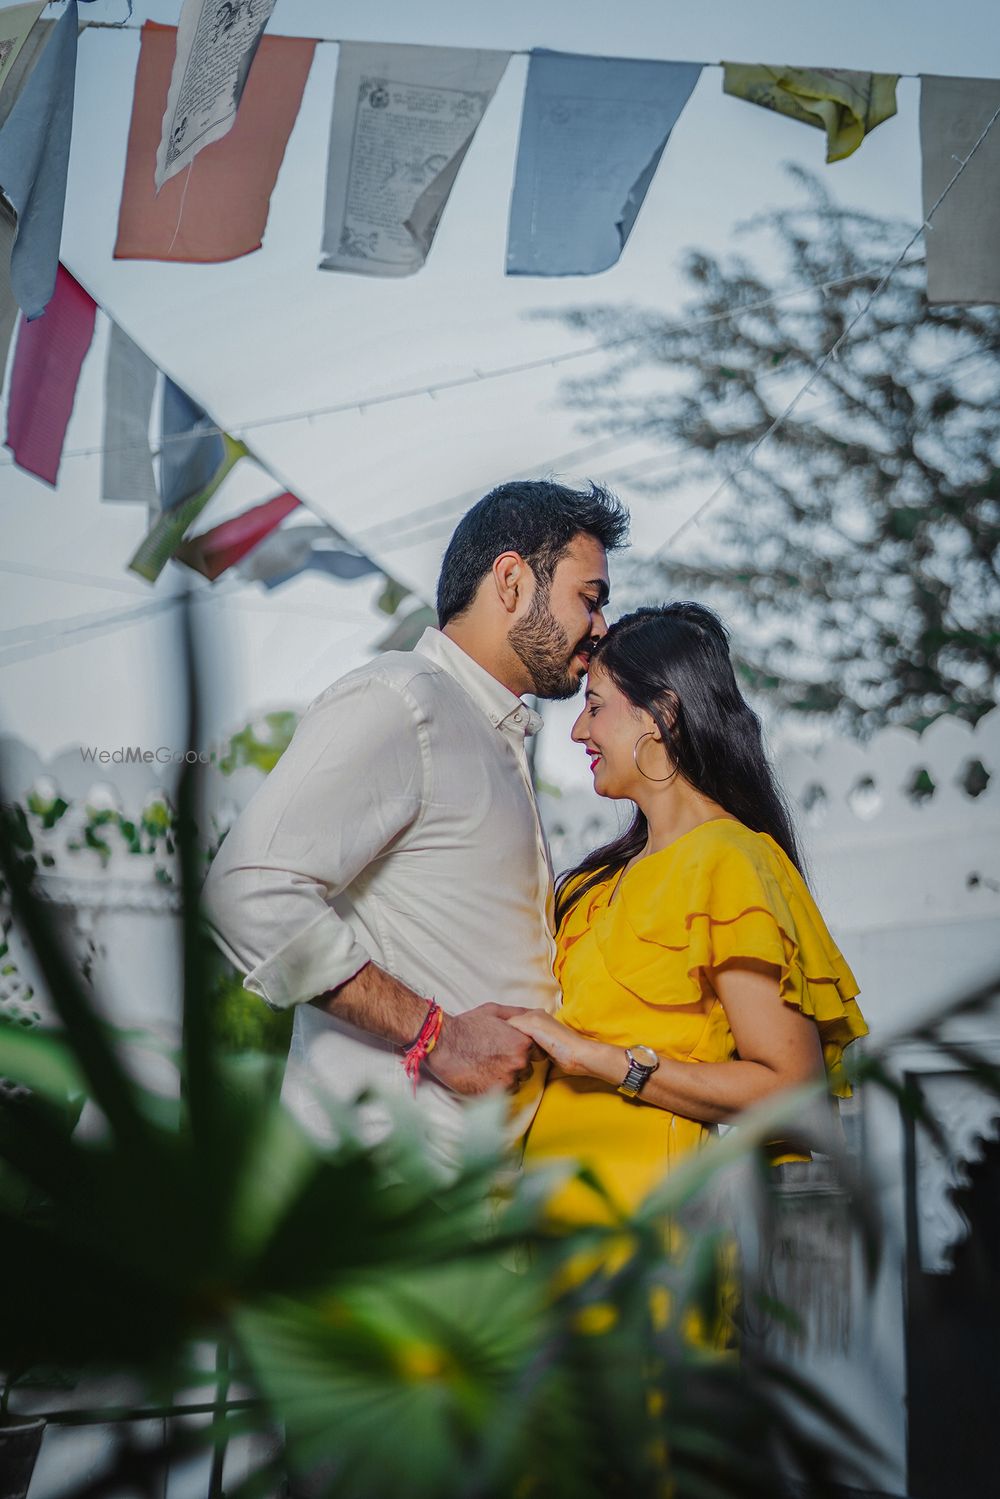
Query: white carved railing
[117, 903]
[969, 1118]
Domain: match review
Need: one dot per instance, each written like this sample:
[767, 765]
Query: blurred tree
[856, 555]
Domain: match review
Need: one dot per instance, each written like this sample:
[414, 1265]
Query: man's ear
[510, 573]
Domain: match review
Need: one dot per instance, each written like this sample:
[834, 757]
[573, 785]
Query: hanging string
[672, 457]
[180, 206]
[831, 353]
[412, 528]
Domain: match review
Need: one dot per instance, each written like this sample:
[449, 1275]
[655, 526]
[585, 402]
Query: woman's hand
[573, 1053]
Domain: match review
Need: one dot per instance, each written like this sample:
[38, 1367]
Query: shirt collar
[503, 708]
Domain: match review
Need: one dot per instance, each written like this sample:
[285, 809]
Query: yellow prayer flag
[843, 103]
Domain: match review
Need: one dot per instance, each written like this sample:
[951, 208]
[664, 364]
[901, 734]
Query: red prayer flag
[214, 551]
[47, 362]
[217, 208]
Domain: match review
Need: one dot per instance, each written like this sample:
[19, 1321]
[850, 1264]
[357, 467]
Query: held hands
[481, 1050]
[572, 1053]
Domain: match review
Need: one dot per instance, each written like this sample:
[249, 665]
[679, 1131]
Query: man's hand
[478, 1051]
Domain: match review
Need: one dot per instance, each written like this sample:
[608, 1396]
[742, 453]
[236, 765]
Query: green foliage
[857, 552]
[241, 1023]
[392, 596]
[48, 808]
[263, 750]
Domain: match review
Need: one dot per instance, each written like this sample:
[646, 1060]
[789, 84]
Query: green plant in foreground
[413, 1332]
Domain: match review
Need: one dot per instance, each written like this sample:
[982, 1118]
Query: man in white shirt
[395, 853]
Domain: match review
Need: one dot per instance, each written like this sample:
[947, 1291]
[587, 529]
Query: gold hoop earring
[635, 757]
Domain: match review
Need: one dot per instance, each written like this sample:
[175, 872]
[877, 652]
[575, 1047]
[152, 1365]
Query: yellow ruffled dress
[632, 971]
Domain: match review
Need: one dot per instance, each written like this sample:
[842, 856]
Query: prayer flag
[129, 383]
[294, 549]
[847, 105]
[407, 631]
[403, 120]
[218, 209]
[345, 566]
[47, 362]
[213, 55]
[15, 23]
[963, 259]
[282, 554]
[224, 545]
[8, 304]
[34, 157]
[191, 448]
[167, 531]
[593, 130]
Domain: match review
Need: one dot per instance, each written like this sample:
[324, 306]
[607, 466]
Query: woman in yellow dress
[697, 974]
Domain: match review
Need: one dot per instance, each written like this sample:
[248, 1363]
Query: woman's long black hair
[674, 662]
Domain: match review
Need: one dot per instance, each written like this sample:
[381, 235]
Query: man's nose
[600, 624]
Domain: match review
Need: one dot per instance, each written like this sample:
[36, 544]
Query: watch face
[645, 1056]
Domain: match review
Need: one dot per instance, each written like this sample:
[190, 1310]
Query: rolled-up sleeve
[349, 783]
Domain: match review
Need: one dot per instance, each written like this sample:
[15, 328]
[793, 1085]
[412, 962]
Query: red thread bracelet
[426, 1040]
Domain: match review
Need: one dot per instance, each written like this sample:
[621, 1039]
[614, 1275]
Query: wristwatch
[642, 1063]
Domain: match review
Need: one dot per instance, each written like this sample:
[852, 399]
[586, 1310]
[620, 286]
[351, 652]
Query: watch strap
[634, 1078]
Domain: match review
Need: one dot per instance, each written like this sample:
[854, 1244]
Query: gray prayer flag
[129, 383]
[963, 242]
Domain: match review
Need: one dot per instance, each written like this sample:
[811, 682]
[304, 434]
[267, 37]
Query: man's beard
[543, 647]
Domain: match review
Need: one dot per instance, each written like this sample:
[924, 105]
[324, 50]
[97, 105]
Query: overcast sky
[271, 335]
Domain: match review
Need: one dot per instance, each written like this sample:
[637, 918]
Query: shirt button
[519, 718]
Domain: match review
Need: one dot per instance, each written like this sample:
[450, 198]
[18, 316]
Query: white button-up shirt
[399, 825]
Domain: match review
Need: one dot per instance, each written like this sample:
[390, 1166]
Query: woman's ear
[669, 706]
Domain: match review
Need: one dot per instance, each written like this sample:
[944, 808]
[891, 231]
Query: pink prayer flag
[214, 551]
[217, 208]
[47, 361]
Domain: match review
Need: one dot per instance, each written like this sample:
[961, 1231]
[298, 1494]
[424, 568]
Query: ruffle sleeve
[723, 894]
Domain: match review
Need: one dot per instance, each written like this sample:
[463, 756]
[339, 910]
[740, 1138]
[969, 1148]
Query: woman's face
[608, 729]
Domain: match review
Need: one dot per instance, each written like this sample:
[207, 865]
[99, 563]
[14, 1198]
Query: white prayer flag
[403, 119]
[216, 45]
[15, 23]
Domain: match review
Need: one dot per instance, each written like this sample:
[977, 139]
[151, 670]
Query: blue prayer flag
[34, 157]
[345, 566]
[189, 456]
[593, 130]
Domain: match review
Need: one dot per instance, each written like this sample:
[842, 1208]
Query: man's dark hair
[534, 517]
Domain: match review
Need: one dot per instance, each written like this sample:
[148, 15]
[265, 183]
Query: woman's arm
[778, 1047]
